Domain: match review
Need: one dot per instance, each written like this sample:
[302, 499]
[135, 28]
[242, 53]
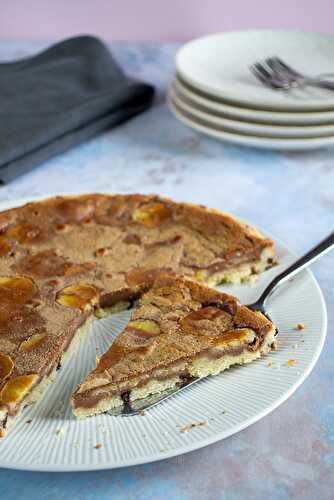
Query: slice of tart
[65, 258]
[179, 329]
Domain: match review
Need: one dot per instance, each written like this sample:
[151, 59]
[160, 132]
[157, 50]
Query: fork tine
[262, 74]
[260, 67]
[261, 78]
[279, 65]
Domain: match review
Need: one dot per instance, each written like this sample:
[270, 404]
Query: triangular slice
[178, 329]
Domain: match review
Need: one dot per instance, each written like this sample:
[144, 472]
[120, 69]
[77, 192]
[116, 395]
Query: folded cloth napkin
[59, 98]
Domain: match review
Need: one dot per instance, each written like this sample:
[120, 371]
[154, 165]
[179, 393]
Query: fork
[276, 74]
[135, 407]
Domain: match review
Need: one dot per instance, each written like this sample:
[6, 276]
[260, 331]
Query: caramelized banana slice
[79, 295]
[17, 290]
[32, 342]
[152, 215]
[16, 388]
[145, 325]
[6, 366]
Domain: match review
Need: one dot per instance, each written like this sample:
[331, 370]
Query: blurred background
[154, 20]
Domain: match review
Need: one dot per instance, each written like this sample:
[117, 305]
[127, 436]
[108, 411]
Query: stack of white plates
[213, 90]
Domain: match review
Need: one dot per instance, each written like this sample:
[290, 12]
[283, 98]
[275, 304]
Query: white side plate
[226, 134]
[265, 130]
[236, 111]
[219, 65]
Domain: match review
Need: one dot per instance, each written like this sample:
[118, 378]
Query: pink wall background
[157, 20]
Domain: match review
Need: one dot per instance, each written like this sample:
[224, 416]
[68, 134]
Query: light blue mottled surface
[288, 454]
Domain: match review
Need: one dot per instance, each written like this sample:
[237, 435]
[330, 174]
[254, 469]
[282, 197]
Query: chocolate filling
[87, 400]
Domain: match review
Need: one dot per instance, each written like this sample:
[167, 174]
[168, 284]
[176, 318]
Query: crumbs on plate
[300, 326]
[186, 428]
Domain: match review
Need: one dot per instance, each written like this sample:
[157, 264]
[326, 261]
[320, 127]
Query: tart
[178, 330]
[65, 260]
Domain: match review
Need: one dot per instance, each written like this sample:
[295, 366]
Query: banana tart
[179, 329]
[65, 260]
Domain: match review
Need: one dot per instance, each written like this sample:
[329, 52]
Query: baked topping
[73, 211]
[151, 215]
[145, 328]
[33, 342]
[140, 276]
[49, 263]
[5, 247]
[16, 388]
[80, 295]
[27, 234]
[16, 290]
[207, 320]
[19, 322]
[6, 366]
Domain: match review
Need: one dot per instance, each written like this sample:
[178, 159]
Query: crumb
[300, 326]
[141, 413]
[60, 432]
[98, 446]
[270, 364]
[199, 424]
[28, 421]
[186, 428]
[291, 362]
[162, 450]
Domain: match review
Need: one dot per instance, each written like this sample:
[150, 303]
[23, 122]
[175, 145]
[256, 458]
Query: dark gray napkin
[59, 98]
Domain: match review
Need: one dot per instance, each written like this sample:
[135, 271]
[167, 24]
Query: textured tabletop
[288, 454]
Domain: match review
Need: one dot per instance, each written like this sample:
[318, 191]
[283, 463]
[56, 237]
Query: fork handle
[323, 247]
[323, 84]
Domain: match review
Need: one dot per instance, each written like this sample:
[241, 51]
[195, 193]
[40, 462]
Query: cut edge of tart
[36, 390]
[178, 330]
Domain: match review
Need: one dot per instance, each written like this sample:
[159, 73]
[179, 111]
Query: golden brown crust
[116, 244]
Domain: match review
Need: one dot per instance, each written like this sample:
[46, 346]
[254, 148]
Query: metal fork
[135, 407]
[268, 77]
[275, 73]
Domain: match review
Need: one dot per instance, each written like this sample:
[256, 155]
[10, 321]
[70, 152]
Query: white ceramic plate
[243, 139]
[219, 65]
[229, 402]
[235, 125]
[236, 112]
